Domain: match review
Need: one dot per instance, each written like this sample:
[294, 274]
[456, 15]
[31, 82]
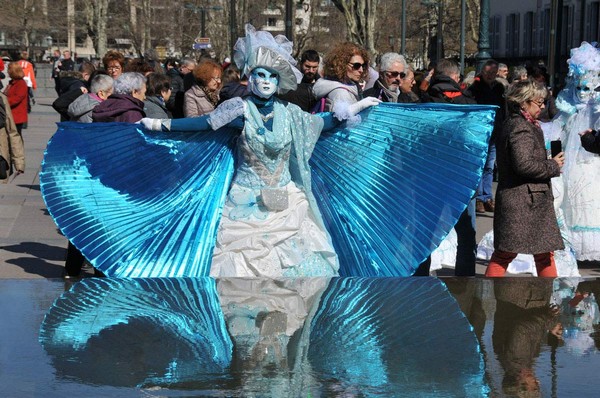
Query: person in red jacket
[16, 91]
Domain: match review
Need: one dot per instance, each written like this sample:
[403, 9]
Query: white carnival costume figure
[579, 104]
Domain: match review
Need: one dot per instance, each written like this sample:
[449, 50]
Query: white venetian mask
[263, 83]
[585, 87]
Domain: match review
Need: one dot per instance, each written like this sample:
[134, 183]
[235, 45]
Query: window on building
[271, 22]
[566, 31]
[544, 29]
[528, 25]
[593, 12]
[512, 35]
[495, 35]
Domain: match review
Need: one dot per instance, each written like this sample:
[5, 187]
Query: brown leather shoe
[479, 207]
[489, 205]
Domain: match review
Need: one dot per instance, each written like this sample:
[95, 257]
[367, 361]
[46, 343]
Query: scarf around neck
[529, 118]
[391, 95]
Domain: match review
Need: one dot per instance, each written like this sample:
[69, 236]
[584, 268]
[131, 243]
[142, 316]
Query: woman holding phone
[525, 221]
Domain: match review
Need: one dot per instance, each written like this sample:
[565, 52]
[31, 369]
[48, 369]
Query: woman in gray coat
[525, 221]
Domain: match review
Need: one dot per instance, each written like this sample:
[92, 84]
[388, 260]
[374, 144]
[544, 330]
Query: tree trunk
[102, 17]
[360, 18]
[473, 11]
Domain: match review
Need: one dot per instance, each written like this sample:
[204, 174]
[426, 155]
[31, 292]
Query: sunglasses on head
[358, 65]
[396, 74]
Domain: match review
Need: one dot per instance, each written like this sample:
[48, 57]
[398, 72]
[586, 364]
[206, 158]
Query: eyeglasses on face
[538, 102]
[358, 65]
[217, 79]
[395, 74]
[114, 67]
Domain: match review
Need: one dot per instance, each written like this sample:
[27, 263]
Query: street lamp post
[202, 10]
[462, 36]
[232, 27]
[288, 19]
[439, 47]
[403, 40]
[439, 54]
[483, 46]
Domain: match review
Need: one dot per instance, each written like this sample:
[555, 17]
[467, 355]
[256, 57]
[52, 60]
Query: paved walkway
[31, 245]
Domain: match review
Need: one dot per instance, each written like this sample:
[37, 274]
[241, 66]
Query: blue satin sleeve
[237, 123]
[329, 121]
[191, 124]
[201, 123]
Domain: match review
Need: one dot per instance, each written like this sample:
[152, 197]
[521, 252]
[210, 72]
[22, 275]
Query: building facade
[521, 31]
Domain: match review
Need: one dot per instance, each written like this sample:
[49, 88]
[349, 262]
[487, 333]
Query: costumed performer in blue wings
[181, 202]
[271, 224]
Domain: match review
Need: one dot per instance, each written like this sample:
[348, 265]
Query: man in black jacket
[181, 75]
[444, 88]
[488, 91]
[304, 96]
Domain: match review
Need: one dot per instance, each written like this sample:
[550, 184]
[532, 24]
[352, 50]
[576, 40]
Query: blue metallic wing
[391, 188]
[135, 203]
[138, 332]
[390, 336]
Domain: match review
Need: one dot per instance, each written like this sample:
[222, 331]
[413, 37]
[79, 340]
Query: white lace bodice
[264, 155]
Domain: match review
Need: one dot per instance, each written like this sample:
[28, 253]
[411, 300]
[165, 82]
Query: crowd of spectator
[120, 89]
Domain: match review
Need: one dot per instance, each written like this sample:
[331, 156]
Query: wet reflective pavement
[313, 337]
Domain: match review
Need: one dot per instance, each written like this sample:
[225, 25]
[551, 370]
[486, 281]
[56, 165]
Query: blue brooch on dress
[260, 131]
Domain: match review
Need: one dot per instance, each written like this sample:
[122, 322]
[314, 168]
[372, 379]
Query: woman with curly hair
[203, 97]
[346, 66]
[114, 63]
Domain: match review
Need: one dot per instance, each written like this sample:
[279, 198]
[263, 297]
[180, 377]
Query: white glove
[363, 104]
[226, 113]
[156, 124]
[345, 111]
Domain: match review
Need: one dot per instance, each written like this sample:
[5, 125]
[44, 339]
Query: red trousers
[544, 263]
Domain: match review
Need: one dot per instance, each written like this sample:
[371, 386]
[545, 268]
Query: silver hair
[187, 61]
[518, 73]
[101, 83]
[447, 67]
[526, 90]
[129, 82]
[388, 59]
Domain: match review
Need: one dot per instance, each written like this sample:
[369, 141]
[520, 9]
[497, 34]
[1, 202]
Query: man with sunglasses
[392, 70]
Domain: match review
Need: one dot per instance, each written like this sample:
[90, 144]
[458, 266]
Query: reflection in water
[579, 316]
[523, 317]
[137, 331]
[255, 337]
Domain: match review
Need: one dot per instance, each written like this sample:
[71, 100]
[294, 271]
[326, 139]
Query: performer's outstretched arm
[344, 111]
[229, 113]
